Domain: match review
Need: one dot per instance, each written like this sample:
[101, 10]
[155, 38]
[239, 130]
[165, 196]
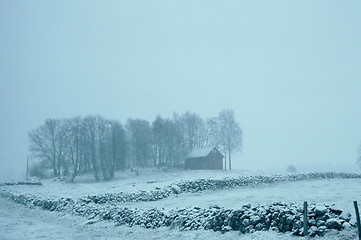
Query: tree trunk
[225, 160]
[54, 169]
[230, 162]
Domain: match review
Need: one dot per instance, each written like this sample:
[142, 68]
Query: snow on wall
[278, 216]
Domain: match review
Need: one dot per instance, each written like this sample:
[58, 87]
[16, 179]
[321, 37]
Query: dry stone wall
[280, 217]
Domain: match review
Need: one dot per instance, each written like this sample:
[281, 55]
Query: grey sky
[289, 69]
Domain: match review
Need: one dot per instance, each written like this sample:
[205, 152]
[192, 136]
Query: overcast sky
[291, 71]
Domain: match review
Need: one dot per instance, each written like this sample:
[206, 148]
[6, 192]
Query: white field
[127, 181]
[18, 222]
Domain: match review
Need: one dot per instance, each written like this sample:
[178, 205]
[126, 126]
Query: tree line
[70, 147]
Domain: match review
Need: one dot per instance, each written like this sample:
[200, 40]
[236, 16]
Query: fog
[290, 70]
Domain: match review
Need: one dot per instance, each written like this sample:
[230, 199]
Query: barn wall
[211, 161]
[195, 163]
[214, 161]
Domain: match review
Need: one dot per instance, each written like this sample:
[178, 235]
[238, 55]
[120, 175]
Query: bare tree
[112, 147]
[79, 145]
[230, 133]
[47, 143]
[92, 136]
[193, 130]
[159, 138]
[172, 138]
[118, 145]
[76, 145]
[179, 143]
[140, 135]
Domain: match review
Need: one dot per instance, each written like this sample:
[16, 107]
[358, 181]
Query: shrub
[37, 170]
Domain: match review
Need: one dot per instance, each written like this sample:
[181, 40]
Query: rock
[312, 222]
[246, 206]
[250, 229]
[226, 229]
[324, 217]
[91, 222]
[259, 227]
[320, 211]
[282, 224]
[267, 222]
[321, 230]
[297, 224]
[335, 210]
[301, 232]
[275, 215]
[320, 223]
[333, 223]
[273, 223]
[346, 225]
[262, 212]
[245, 216]
[345, 216]
[246, 222]
[311, 214]
[176, 189]
[255, 219]
[289, 221]
[312, 231]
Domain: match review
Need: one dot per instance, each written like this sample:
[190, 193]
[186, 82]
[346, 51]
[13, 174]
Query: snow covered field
[18, 222]
[126, 181]
[340, 192]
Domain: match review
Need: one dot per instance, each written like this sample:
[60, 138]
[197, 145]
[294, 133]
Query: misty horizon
[180, 120]
[289, 71]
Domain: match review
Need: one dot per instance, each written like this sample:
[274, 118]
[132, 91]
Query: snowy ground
[126, 181]
[18, 222]
[340, 192]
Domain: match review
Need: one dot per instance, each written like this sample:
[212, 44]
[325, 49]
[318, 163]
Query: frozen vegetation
[221, 201]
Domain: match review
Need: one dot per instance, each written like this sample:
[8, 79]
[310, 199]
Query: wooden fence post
[358, 219]
[305, 219]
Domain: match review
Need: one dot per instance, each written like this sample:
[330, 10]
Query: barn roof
[200, 152]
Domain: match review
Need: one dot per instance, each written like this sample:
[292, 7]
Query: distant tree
[179, 142]
[140, 135]
[159, 138]
[193, 130]
[47, 143]
[104, 148]
[92, 145]
[118, 145]
[112, 148]
[291, 169]
[214, 137]
[173, 142]
[76, 145]
[230, 133]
